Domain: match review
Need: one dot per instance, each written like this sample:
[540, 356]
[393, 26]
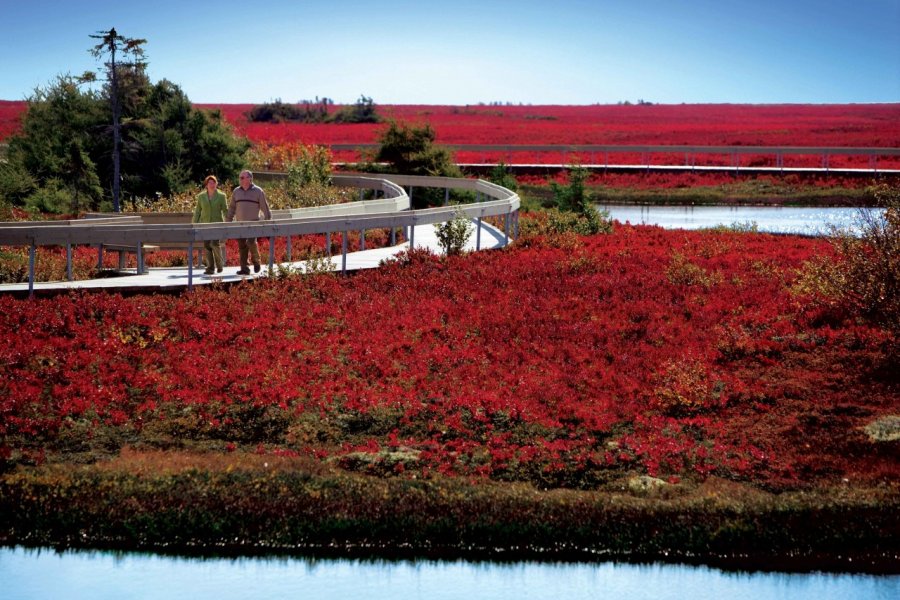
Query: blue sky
[466, 52]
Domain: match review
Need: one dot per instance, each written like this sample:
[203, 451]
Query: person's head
[211, 183]
[246, 179]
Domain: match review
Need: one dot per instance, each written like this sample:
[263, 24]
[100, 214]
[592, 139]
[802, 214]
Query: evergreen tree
[68, 140]
[112, 43]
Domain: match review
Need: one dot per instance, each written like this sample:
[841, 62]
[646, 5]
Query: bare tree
[131, 49]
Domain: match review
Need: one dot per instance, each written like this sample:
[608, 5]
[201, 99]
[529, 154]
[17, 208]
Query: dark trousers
[250, 247]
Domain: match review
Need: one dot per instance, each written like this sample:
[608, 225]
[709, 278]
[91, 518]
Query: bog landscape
[595, 389]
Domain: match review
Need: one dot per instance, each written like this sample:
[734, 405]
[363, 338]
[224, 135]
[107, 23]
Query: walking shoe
[256, 268]
[208, 272]
[243, 271]
[219, 270]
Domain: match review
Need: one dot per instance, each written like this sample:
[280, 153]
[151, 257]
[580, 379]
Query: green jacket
[210, 211]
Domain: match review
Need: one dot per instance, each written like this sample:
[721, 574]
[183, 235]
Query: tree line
[314, 111]
[85, 149]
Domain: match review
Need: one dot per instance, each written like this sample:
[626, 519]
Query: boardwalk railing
[391, 210]
[599, 154]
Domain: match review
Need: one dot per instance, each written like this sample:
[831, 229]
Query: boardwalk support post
[344, 252]
[31, 256]
[190, 265]
[69, 261]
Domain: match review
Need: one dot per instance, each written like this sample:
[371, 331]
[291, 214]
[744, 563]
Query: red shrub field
[845, 125]
[624, 125]
[875, 125]
[565, 362]
[10, 112]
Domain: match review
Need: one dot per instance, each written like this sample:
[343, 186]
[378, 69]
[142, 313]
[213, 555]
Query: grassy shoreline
[742, 194]
[277, 505]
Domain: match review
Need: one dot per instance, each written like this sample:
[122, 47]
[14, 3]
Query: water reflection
[772, 219]
[27, 574]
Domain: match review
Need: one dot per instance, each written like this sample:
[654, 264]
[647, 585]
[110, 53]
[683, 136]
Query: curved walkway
[165, 279]
[391, 210]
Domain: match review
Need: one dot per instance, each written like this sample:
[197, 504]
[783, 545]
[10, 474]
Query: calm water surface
[76, 575]
[772, 219]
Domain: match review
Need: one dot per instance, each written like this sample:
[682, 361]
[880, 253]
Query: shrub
[502, 176]
[553, 221]
[275, 112]
[682, 271]
[684, 387]
[573, 198]
[363, 111]
[411, 150]
[864, 275]
[52, 197]
[315, 262]
[311, 166]
[16, 183]
[453, 234]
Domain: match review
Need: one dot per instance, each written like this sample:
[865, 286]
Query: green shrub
[16, 183]
[502, 176]
[311, 166]
[52, 197]
[410, 150]
[363, 111]
[453, 234]
[553, 221]
[574, 199]
[276, 112]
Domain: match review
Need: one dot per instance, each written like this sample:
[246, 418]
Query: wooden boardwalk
[173, 279]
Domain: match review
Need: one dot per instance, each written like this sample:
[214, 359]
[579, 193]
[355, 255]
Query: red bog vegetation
[840, 125]
[676, 354]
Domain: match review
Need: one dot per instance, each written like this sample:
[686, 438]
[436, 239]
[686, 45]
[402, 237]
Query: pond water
[29, 574]
[771, 219]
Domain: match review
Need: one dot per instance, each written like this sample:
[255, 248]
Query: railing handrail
[113, 231]
[614, 148]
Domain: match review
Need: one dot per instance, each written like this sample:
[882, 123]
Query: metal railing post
[478, 235]
[362, 239]
[69, 261]
[344, 252]
[271, 253]
[328, 243]
[190, 265]
[506, 229]
[31, 258]
[289, 253]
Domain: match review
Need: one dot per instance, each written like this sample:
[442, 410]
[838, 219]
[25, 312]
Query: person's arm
[232, 207]
[223, 206]
[264, 205]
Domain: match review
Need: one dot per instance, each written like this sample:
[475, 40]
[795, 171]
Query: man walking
[247, 202]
